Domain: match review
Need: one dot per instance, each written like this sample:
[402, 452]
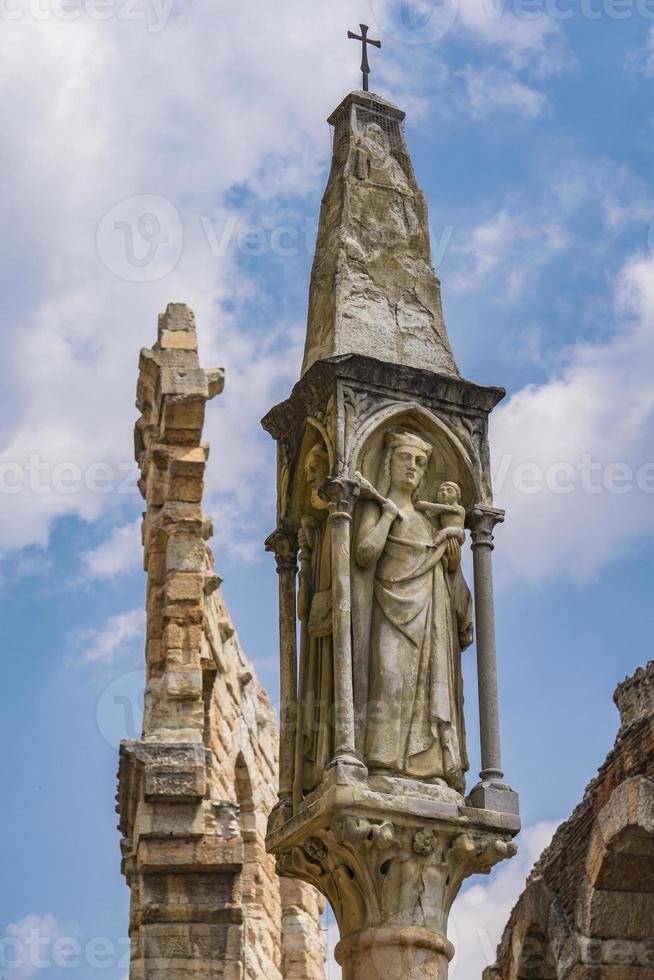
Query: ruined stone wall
[195, 791]
[588, 909]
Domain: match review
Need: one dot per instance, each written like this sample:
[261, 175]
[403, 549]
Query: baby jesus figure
[451, 516]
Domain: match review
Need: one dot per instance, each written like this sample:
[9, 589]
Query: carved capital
[283, 544]
[482, 522]
[401, 871]
[341, 494]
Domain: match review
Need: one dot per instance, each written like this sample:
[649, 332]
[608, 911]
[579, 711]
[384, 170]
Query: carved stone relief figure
[375, 162]
[414, 617]
[316, 685]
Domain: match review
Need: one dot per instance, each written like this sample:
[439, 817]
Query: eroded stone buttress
[195, 790]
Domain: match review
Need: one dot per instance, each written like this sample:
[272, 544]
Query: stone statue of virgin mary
[413, 619]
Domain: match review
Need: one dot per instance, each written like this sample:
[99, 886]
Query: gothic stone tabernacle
[383, 464]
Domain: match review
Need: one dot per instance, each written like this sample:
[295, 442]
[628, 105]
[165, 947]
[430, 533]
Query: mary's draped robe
[414, 618]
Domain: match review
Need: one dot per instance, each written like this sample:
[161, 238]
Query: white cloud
[516, 244]
[481, 911]
[513, 53]
[125, 112]
[583, 213]
[116, 636]
[120, 552]
[536, 42]
[27, 946]
[240, 489]
[491, 90]
[642, 59]
[573, 457]
[611, 191]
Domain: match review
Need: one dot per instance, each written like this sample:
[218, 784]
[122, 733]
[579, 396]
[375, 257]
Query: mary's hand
[453, 552]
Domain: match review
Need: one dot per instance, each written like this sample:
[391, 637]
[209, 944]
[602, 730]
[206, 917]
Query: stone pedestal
[390, 855]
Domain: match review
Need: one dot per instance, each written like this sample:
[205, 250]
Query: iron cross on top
[365, 41]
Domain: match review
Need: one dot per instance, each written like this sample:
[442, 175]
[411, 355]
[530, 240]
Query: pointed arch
[451, 461]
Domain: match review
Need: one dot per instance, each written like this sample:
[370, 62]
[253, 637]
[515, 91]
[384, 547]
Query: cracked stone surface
[373, 289]
[194, 792]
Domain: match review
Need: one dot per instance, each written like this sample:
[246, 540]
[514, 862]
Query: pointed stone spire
[373, 290]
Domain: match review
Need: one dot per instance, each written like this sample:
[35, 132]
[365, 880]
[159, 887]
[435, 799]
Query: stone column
[283, 542]
[342, 494]
[394, 954]
[492, 792]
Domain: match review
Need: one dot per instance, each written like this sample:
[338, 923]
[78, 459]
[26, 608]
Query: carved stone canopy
[341, 400]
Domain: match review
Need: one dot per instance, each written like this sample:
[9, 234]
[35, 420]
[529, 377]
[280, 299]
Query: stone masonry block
[184, 683]
[178, 340]
[173, 771]
[185, 552]
[185, 587]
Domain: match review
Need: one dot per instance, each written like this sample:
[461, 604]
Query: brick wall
[588, 907]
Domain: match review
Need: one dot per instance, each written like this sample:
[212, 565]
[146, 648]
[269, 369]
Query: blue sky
[531, 133]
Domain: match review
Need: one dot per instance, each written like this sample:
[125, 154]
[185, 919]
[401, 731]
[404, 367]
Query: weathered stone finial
[373, 289]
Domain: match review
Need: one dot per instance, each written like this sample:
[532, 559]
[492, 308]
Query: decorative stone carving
[413, 615]
[398, 871]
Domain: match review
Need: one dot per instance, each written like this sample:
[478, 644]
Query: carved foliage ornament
[376, 871]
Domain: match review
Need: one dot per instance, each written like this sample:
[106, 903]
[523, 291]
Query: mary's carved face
[408, 466]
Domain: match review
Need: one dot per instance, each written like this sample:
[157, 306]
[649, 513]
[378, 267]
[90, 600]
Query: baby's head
[449, 493]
